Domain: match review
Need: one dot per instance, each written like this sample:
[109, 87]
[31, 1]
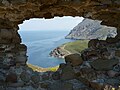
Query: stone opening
[15, 74]
[41, 36]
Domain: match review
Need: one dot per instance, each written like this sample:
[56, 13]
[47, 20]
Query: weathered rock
[67, 73]
[104, 64]
[35, 78]
[113, 82]
[62, 65]
[44, 85]
[21, 59]
[18, 2]
[15, 85]
[59, 52]
[45, 76]
[116, 68]
[61, 86]
[11, 77]
[35, 85]
[2, 77]
[96, 86]
[90, 55]
[84, 80]
[25, 76]
[88, 74]
[117, 53]
[111, 40]
[56, 76]
[74, 59]
[93, 43]
[112, 73]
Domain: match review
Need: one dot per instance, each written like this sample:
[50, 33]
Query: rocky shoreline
[59, 52]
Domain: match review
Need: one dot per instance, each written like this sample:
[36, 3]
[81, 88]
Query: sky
[57, 23]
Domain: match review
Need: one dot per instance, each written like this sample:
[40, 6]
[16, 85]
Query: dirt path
[63, 48]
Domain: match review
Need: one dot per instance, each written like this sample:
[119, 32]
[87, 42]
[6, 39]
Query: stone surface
[35, 78]
[25, 76]
[112, 73]
[67, 73]
[14, 12]
[104, 64]
[61, 86]
[113, 82]
[26, 9]
[56, 76]
[117, 53]
[74, 59]
[11, 77]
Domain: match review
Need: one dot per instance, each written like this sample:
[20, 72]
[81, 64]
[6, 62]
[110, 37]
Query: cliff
[69, 48]
[91, 29]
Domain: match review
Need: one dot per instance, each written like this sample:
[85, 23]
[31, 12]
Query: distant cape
[91, 29]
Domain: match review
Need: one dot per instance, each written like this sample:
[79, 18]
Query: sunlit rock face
[91, 29]
[14, 73]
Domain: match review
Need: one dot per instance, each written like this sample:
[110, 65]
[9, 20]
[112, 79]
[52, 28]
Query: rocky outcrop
[59, 52]
[15, 75]
[91, 29]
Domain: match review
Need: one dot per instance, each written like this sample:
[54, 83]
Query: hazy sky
[57, 23]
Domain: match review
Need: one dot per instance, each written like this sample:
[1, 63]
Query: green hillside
[76, 46]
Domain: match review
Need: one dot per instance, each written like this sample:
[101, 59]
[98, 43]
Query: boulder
[35, 78]
[62, 65]
[61, 86]
[56, 75]
[93, 43]
[18, 1]
[104, 64]
[25, 76]
[117, 53]
[96, 86]
[11, 77]
[74, 59]
[21, 59]
[67, 73]
[44, 85]
[2, 77]
[88, 74]
[6, 34]
[113, 81]
[45, 76]
[112, 73]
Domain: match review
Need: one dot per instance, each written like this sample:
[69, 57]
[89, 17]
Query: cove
[40, 43]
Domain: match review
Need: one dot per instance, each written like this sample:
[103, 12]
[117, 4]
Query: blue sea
[41, 43]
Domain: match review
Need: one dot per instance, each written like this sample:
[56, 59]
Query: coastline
[69, 48]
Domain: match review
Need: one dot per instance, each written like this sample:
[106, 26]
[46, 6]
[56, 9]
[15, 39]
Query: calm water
[40, 43]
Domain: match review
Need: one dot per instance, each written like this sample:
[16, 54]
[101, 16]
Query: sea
[41, 43]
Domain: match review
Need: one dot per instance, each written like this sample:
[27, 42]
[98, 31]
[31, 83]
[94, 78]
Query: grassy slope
[77, 46]
[73, 47]
[40, 69]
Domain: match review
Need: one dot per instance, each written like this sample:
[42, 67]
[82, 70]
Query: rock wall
[91, 29]
[14, 73]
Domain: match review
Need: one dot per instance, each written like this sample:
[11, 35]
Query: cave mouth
[41, 36]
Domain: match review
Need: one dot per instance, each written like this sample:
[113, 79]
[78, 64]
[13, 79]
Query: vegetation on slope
[40, 69]
[76, 46]
[72, 47]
